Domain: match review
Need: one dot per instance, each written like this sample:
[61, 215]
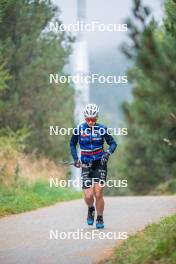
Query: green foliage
[149, 152]
[115, 175]
[12, 142]
[23, 197]
[166, 188]
[28, 54]
[156, 244]
[11, 145]
[4, 77]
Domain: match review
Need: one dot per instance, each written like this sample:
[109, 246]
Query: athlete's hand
[77, 163]
[104, 158]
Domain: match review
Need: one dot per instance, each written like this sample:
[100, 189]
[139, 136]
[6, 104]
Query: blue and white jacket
[91, 142]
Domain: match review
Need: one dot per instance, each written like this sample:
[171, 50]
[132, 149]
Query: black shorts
[97, 173]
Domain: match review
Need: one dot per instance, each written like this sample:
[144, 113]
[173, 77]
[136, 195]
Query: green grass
[155, 245]
[24, 197]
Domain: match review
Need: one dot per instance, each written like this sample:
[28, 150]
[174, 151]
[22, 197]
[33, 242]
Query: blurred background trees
[28, 53]
[29, 104]
[148, 155]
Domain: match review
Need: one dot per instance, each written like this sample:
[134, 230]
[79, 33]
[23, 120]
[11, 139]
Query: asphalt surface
[50, 235]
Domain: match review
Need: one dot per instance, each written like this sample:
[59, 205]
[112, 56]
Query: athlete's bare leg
[89, 196]
[99, 198]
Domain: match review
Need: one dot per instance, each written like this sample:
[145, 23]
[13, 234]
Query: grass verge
[155, 245]
[24, 196]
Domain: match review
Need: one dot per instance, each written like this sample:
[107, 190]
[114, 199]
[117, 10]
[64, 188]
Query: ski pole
[82, 165]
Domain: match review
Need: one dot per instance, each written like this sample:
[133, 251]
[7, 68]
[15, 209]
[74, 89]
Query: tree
[148, 158]
[30, 52]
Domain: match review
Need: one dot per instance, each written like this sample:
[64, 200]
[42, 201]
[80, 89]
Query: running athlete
[91, 136]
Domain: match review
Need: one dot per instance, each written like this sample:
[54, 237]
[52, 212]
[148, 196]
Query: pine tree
[30, 53]
[149, 152]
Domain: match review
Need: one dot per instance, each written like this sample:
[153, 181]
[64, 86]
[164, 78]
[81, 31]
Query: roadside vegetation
[29, 104]
[24, 179]
[25, 196]
[147, 158]
[156, 244]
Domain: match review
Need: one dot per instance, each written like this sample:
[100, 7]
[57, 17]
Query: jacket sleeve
[111, 142]
[73, 143]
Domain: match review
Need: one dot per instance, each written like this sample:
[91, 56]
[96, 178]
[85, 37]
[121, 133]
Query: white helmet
[91, 110]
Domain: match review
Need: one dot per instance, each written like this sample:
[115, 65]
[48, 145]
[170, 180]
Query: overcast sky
[111, 11]
[105, 56]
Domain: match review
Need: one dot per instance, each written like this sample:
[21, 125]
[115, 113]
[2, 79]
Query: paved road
[25, 238]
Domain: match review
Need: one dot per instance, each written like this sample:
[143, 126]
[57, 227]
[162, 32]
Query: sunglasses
[90, 119]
